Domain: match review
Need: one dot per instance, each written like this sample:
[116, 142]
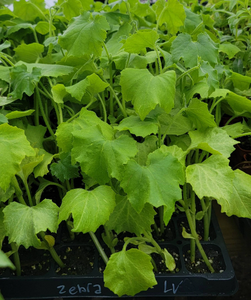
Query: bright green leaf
[239, 104]
[100, 155]
[169, 260]
[198, 113]
[43, 27]
[49, 70]
[92, 84]
[27, 11]
[5, 262]
[204, 47]
[14, 147]
[85, 120]
[173, 15]
[72, 8]
[129, 272]
[238, 203]
[212, 178]
[229, 49]
[211, 76]
[29, 53]
[19, 114]
[89, 209]
[23, 223]
[148, 183]
[139, 41]
[58, 93]
[213, 140]
[85, 35]
[138, 127]
[5, 73]
[146, 91]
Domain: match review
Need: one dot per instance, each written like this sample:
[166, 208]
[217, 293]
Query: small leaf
[50, 240]
[89, 209]
[29, 221]
[5, 262]
[199, 215]
[19, 114]
[186, 235]
[169, 260]
[129, 272]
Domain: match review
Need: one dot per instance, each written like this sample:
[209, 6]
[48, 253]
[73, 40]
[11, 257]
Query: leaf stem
[43, 114]
[98, 246]
[52, 251]
[198, 244]
[103, 106]
[159, 60]
[18, 191]
[16, 258]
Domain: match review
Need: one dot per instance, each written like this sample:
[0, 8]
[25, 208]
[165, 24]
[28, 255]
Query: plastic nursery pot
[85, 279]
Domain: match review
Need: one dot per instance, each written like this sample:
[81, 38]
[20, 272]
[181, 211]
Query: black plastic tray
[182, 283]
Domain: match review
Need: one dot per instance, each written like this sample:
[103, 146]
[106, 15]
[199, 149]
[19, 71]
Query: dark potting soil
[214, 256]
[34, 262]
[168, 234]
[78, 260]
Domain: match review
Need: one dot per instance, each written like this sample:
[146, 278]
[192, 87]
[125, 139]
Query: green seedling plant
[118, 109]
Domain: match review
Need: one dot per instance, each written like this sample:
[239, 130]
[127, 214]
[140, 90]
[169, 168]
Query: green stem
[215, 103]
[43, 113]
[159, 60]
[240, 135]
[110, 237]
[7, 60]
[16, 258]
[193, 213]
[198, 244]
[28, 193]
[98, 246]
[188, 72]
[18, 191]
[103, 106]
[118, 101]
[52, 251]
